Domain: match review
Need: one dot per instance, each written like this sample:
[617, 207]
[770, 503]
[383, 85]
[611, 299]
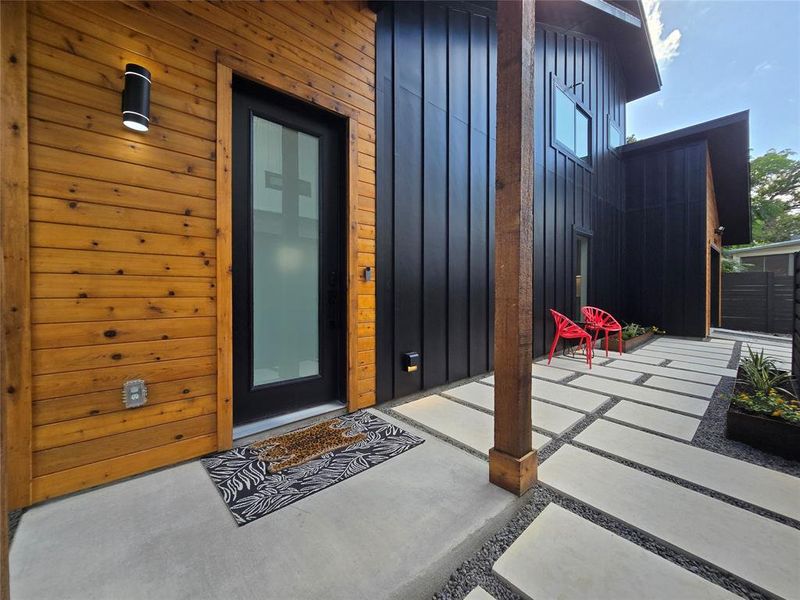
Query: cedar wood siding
[123, 225]
[712, 239]
[436, 189]
[666, 247]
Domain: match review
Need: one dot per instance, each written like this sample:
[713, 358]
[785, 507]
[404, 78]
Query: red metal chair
[598, 320]
[569, 330]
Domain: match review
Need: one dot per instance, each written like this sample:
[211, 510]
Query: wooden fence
[758, 302]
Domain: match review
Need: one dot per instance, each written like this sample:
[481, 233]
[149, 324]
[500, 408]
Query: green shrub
[765, 388]
[631, 330]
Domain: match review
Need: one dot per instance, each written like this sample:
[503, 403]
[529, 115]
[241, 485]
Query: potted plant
[764, 412]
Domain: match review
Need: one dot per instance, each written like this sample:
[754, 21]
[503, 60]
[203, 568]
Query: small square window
[572, 125]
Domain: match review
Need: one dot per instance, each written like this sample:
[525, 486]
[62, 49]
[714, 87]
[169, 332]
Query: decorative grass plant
[763, 388]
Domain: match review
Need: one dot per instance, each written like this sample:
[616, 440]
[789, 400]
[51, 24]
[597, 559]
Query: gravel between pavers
[710, 435]
[478, 569]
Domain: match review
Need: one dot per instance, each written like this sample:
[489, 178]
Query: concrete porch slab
[168, 535]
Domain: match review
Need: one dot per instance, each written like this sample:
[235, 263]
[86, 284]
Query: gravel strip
[710, 435]
[13, 522]
[478, 569]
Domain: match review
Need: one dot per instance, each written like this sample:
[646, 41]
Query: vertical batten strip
[224, 258]
[15, 352]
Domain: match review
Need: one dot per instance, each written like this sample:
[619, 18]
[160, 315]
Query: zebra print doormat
[250, 490]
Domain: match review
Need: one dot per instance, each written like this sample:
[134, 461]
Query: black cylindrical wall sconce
[136, 98]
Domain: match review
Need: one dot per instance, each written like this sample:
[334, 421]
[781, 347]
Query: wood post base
[517, 475]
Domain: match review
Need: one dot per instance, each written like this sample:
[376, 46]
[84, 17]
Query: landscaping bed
[633, 336]
[764, 432]
[763, 412]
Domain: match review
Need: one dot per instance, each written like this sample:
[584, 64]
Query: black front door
[288, 324]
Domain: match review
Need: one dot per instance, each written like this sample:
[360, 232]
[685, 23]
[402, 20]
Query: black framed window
[616, 137]
[571, 124]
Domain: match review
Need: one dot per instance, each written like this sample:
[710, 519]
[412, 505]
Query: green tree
[775, 196]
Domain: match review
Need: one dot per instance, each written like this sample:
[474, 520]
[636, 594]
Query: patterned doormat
[261, 478]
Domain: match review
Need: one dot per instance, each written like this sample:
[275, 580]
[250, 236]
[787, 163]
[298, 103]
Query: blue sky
[723, 56]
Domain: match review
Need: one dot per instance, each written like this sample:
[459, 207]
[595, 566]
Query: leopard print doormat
[263, 477]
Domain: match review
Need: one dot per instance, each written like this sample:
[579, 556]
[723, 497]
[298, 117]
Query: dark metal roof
[619, 22]
[728, 141]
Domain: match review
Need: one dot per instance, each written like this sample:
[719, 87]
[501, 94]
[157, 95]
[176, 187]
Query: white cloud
[665, 48]
[764, 66]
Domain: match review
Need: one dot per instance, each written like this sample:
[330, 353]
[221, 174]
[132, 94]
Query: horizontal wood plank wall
[123, 225]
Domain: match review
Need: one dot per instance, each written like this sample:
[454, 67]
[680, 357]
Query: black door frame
[579, 231]
[264, 401]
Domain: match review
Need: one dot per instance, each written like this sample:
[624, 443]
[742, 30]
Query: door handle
[333, 300]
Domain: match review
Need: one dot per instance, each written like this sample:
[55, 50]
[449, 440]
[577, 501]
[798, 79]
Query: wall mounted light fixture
[720, 230]
[136, 98]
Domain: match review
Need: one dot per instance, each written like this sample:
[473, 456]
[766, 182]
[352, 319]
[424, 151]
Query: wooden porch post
[513, 461]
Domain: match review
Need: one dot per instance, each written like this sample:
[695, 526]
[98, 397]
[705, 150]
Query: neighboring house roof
[728, 141]
[787, 247]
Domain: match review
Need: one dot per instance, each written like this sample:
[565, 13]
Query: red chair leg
[606, 342]
[553, 348]
[589, 355]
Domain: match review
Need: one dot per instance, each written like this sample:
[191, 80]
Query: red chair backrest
[563, 323]
[598, 317]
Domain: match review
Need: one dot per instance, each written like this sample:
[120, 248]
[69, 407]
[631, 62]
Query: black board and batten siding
[436, 85]
[665, 238]
[570, 197]
[435, 227]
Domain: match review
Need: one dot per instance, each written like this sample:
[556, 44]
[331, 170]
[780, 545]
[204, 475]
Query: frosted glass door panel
[285, 303]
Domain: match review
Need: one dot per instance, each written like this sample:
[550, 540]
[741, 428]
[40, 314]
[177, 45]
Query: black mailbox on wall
[411, 362]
